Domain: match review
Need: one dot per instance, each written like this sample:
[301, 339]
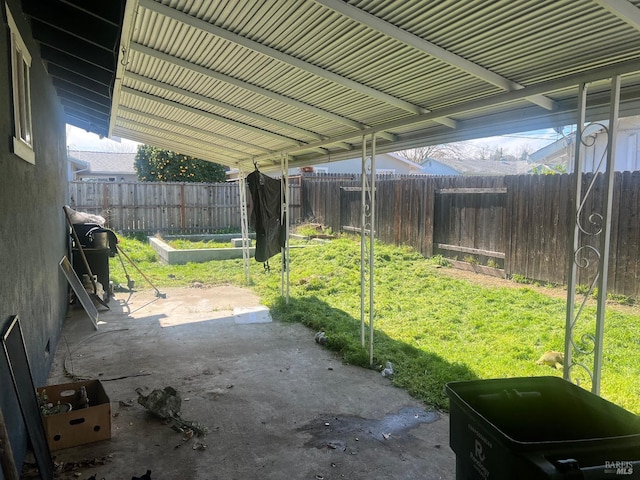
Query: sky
[78, 139]
[514, 142]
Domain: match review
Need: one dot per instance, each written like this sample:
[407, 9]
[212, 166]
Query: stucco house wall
[33, 236]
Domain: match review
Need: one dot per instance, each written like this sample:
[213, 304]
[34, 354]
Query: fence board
[633, 232]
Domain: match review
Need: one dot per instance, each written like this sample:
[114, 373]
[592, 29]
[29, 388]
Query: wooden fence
[517, 224]
[150, 207]
[514, 225]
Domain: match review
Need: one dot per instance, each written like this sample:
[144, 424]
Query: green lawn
[433, 327]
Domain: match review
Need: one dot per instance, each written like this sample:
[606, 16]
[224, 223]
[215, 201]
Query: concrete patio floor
[277, 405]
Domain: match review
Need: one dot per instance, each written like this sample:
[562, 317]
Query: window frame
[21, 93]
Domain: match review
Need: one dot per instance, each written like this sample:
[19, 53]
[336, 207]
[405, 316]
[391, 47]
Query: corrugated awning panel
[309, 77]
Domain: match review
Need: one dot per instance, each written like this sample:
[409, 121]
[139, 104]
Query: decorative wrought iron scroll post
[244, 225]
[372, 236]
[367, 232]
[284, 212]
[590, 241]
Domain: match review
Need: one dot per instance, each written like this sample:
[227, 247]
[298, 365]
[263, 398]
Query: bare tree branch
[424, 154]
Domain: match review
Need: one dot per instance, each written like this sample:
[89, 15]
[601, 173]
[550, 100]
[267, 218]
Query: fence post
[183, 212]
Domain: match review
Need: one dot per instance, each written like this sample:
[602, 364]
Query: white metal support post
[606, 238]
[372, 234]
[284, 216]
[363, 239]
[367, 229]
[244, 224]
[590, 224]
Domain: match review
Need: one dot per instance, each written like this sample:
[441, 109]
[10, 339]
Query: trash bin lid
[530, 410]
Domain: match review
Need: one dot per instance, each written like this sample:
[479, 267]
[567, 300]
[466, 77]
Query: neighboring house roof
[433, 167]
[79, 164]
[561, 144]
[488, 167]
[384, 161]
[551, 149]
[428, 167]
[106, 163]
[403, 161]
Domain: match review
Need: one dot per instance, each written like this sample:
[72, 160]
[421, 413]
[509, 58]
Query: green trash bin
[539, 428]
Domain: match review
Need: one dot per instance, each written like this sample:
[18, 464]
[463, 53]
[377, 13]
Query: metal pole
[283, 253]
[363, 225]
[606, 239]
[284, 192]
[244, 224]
[372, 235]
[575, 233]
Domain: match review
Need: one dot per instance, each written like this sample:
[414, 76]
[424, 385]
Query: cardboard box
[80, 425]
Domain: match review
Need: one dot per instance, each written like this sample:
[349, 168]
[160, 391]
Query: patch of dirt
[559, 292]
[497, 282]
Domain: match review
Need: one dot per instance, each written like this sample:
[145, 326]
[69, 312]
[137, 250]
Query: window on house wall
[385, 171]
[20, 82]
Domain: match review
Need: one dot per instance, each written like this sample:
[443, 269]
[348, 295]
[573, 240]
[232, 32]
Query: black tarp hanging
[266, 216]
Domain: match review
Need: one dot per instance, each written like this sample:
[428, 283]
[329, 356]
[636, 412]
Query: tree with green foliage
[157, 165]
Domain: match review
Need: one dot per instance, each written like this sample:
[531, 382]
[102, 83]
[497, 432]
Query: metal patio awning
[238, 81]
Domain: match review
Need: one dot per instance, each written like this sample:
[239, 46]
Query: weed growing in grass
[491, 263]
[313, 230]
[620, 299]
[440, 261]
[520, 279]
[471, 260]
[582, 289]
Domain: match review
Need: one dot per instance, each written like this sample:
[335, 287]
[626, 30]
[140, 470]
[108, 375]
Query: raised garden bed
[174, 256]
